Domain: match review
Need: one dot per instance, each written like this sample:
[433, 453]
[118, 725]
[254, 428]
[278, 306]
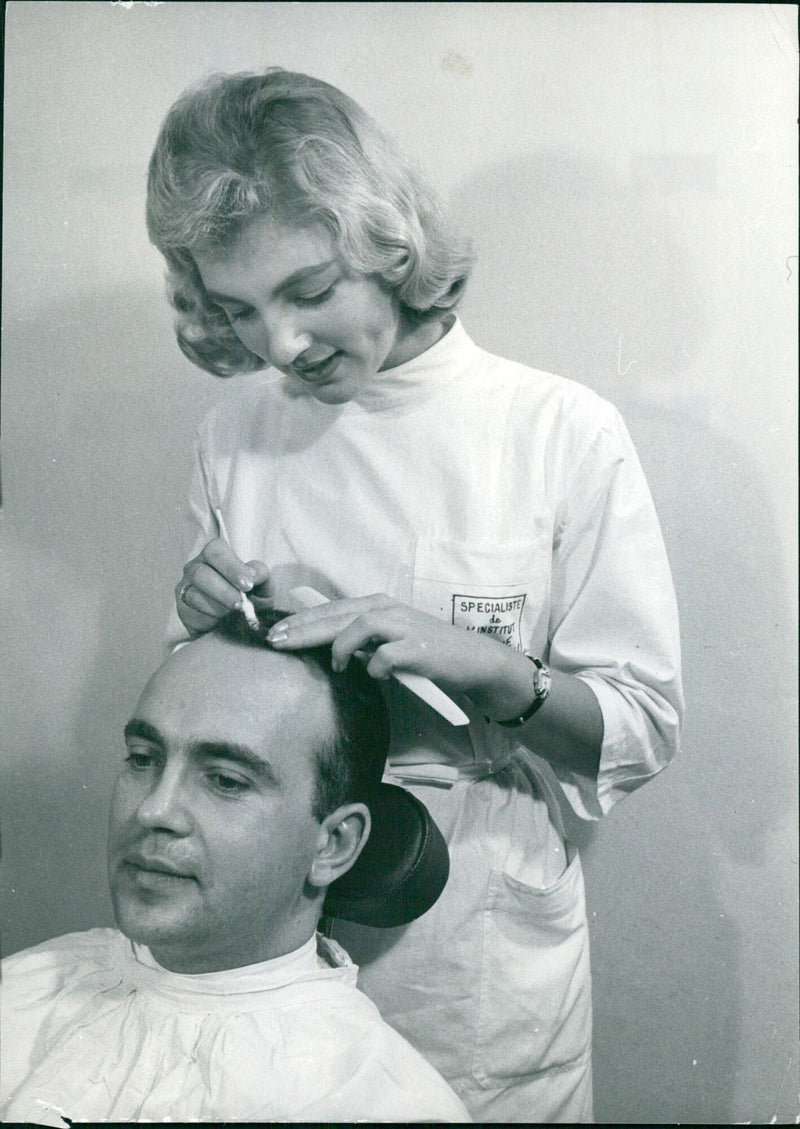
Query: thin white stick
[246, 605]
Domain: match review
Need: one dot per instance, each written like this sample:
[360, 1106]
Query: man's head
[241, 799]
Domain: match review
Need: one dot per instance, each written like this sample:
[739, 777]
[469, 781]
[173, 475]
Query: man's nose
[165, 806]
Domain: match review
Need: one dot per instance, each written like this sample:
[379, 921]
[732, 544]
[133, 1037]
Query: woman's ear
[340, 840]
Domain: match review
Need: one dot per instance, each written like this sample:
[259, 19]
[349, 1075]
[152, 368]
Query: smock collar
[422, 376]
[319, 957]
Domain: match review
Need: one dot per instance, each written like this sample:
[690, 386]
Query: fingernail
[277, 636]
[246, 582]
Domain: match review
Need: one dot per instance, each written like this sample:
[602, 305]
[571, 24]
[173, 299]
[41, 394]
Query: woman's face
[291, 300]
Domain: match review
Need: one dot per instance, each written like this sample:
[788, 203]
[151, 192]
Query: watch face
[541, 676]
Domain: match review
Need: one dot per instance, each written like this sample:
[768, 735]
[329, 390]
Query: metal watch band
[541, 691]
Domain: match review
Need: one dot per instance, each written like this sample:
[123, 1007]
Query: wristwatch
[541, 691]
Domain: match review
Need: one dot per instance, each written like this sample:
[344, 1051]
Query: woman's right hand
[212, 585]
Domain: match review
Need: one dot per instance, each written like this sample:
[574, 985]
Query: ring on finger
[182, 594]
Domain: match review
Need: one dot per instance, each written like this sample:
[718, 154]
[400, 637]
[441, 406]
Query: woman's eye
[315, 299]
[235, 313]
[243, 313]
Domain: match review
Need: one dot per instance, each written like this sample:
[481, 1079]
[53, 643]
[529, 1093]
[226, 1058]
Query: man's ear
[340, 840]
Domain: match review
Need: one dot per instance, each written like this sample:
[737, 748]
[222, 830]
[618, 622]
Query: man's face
[211, 831]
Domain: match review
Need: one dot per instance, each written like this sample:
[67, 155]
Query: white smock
[95, 1030]
[504, 500]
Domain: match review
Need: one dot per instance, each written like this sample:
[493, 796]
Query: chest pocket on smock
[496, 588]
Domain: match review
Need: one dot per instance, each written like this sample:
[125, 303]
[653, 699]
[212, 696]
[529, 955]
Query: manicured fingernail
[277, 636]
[246, 582]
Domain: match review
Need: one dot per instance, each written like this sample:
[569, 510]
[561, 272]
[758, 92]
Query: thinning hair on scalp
[351, 763]
[296, 149]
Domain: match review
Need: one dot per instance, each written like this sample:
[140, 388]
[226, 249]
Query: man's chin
[147, 923]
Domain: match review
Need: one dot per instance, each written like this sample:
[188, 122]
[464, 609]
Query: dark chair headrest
[401, 871]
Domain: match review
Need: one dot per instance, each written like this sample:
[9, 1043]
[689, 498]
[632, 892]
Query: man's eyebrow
[208, 750]
[303, 274]
[138, 727]
[236, 754]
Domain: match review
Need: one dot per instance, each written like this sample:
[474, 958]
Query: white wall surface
[628, 172]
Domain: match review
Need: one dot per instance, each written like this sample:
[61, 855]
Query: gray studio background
[628, 172]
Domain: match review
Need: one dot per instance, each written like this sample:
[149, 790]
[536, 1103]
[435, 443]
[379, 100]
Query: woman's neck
[419, 337]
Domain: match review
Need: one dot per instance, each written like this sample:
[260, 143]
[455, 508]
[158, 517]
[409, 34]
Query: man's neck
[195, 961]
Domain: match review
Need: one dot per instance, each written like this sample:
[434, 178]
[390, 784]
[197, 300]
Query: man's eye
[228, 785]
[138, 759]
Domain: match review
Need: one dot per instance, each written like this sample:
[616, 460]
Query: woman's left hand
[391, 636]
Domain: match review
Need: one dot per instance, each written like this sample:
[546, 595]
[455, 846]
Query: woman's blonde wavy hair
[294, 148]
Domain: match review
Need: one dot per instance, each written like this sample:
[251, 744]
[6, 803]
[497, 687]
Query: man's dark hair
[351, 764]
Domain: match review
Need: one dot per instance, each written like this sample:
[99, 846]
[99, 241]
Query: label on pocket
[490, 615]
[492, 588]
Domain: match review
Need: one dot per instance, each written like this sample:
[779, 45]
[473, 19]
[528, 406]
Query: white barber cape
[93, 1029]
[503, 500]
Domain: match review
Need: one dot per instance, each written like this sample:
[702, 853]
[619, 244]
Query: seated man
[240, 802]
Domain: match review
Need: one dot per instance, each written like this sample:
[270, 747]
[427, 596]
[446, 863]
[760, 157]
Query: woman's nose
[165, 806]
[286, 340]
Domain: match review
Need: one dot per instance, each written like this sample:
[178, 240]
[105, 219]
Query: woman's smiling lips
[320, 370]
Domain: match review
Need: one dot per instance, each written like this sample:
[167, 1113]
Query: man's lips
[142, 865]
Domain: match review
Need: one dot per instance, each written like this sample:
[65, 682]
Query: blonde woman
[470, 519]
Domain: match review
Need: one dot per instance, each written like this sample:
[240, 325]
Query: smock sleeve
[200, 527]
[613, 618]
